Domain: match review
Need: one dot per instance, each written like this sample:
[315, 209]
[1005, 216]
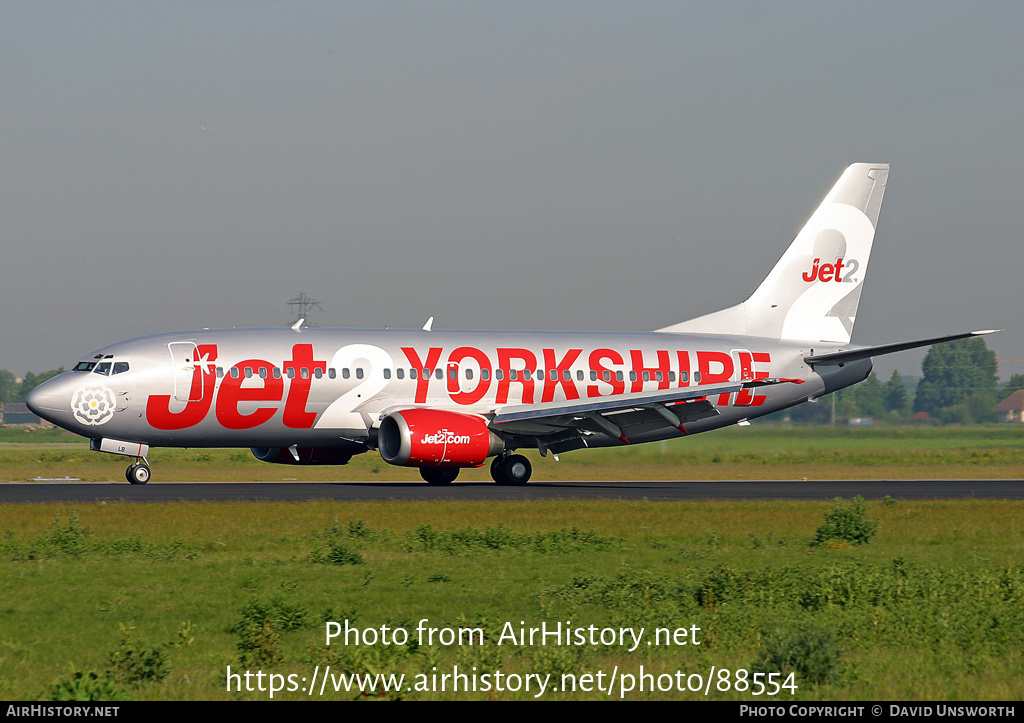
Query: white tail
[813, 291]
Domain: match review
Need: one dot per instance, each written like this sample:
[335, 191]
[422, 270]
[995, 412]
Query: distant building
[19, 413]
[1011, 409]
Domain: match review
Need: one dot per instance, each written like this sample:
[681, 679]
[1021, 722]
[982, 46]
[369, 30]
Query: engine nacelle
[307, 455]
[436, 438]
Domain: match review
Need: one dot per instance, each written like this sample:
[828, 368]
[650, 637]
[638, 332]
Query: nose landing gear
[138, 473]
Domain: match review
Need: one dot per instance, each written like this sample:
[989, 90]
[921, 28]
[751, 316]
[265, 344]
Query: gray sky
[517, 165]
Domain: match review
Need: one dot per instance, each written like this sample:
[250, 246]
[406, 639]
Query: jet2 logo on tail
[832, 272]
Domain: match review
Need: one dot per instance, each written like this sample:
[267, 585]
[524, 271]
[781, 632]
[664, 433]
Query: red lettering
[560, 367]
[295, 414]
[204, 376]
[472, 397]
[596, 357]
[424, 370]
[505, 357]
[232, 393]
[704, 361]
[824, 272]
[637, 357]
[684, 368]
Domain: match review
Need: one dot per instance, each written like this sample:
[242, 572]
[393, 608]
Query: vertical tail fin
[813, 291]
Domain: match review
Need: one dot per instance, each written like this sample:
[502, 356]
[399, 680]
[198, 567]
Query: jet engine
[436, 438]
[306, 455]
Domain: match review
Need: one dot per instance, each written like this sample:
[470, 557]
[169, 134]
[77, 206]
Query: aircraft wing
[564, 425]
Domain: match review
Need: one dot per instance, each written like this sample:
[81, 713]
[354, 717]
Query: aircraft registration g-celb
[441, 401]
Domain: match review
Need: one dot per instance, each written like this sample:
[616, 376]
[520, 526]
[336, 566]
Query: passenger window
[359, 372]
[469, 374]
[248, 372]
[439, 373]
[671, 376]
[331, 373]
[499, 374]
[593, 375]
[684, 376]
[453, 373]
[220, 372]
[400, 373]
[513, 374]
[235, 372]
[345, 373]
[263, 373]
[607, 375]
[485, 374]
[291, 372]
[277, 373]
[618, 376]
[387, 373]
[318, 373]
[696, 377]
[632, 375]
[304, 373]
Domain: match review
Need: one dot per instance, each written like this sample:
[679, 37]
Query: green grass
[756, 452]
[155, 601]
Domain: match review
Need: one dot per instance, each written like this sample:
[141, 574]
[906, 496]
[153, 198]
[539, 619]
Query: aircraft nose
[49, 399]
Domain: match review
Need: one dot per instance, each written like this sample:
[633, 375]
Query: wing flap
[560, 425]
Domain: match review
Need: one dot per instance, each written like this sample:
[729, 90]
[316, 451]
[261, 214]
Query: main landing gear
[138, 473]
[512, 469]
[506, 469]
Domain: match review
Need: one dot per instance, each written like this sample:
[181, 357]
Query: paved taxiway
[625, 489]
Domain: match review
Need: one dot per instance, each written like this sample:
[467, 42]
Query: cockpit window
[84, 366]
[102, 368]
[120, 367]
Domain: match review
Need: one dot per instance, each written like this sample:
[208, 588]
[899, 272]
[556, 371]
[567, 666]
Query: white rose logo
[93, 405]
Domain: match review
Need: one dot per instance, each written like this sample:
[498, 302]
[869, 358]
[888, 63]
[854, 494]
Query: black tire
[512, 471]
[439, 475]
[137, 474]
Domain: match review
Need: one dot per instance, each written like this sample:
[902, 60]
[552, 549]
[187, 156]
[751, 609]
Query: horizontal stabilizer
[842, 357]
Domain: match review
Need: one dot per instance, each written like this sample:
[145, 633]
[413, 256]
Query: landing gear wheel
[439, 475]
[137, 474]
[513, 470]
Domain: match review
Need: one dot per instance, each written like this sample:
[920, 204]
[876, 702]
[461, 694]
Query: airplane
[447, 400]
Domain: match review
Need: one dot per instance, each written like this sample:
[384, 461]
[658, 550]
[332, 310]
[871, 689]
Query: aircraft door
[188, 386]
[743, 362]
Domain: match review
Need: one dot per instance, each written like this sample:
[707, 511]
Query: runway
[27, 492]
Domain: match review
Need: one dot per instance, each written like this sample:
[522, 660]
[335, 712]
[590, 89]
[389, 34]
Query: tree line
[12, 390]
[959, 385]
